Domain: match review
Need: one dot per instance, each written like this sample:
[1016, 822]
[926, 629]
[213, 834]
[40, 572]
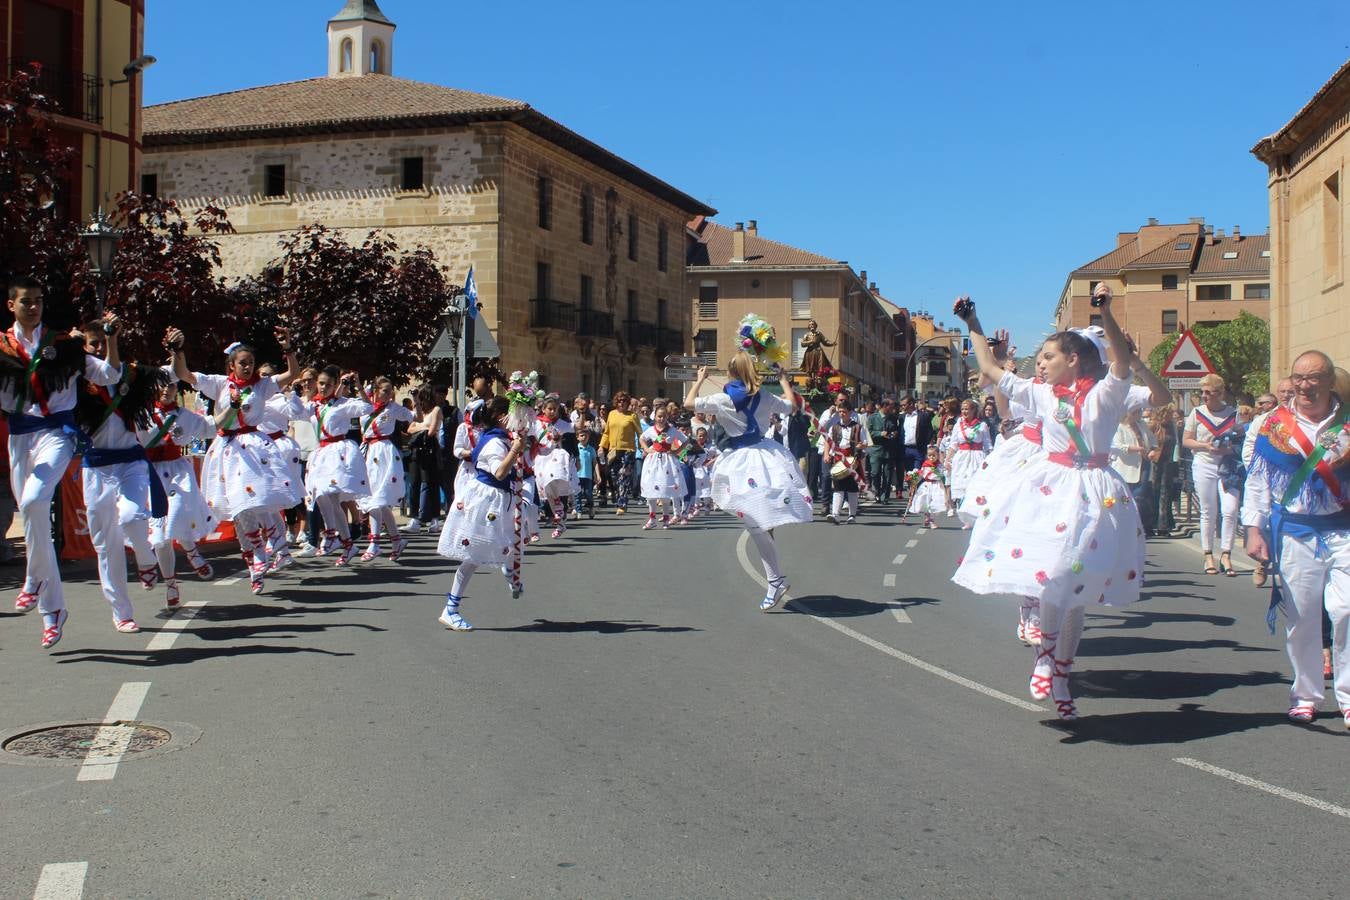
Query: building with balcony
[939, 367]
[1170, 277]
[82, 47]
[1306, 164]
[577, 253]
[734, 271]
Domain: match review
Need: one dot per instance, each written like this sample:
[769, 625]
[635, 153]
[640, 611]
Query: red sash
[1286, 417]
[1216, 430]
[15, 346]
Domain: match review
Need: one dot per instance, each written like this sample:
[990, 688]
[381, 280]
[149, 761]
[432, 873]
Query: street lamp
[100, 242]
[453, 318]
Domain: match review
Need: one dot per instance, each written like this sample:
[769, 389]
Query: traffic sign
[1184, 384]
[1187, 360]
[676, 359]
[680, 373]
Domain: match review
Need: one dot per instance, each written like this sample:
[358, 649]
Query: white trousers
[838, 501]
[117, 502]
[1308, 584]
[37, 463]
[1213, 497]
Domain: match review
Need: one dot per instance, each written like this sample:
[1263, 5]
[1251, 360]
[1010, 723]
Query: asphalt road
[634, 727]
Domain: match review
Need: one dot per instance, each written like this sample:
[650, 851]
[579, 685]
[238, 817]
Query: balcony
[668, 340]
[593, 323]
[640, 334]
[73, 94]
[553, 314]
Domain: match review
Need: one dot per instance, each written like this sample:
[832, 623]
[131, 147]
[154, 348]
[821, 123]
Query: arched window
[376, 57]
[345, 60]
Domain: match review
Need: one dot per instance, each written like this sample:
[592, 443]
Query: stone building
[735, 271]
[1170, 277]
[1306, 160]
[89, 51]
[577, 253]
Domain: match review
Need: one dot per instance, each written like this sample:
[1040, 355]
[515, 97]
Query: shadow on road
[177, 656]
[1132, 620]
[1125, 646]
[242, 611]
[598, 626]
[834, 607]
[1187, 723]
[1154, 685]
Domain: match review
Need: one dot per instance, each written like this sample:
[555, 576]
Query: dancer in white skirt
[170, 429]
[662, 477]
[966, 447]
[555, 472]
[337, 471]
[927, 493]
[755, 479]
[281, 410]
[384, 468]
[702, 458]
[1067, 532]
[480, 527]
[243, 476]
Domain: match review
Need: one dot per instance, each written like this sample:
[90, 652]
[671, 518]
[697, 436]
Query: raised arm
[964, 308]
[292, 364]
[1120, 347]
[1160, 393]
[174, 340]
[692, 394]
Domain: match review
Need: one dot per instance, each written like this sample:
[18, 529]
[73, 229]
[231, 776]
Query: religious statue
[814, 360]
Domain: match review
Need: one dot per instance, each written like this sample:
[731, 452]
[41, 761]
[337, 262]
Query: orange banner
[75, 521]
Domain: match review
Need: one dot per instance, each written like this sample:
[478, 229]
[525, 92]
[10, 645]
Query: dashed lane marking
[61, 881]
[888, 580]
[911, 544]
[174, 626]
[901, 616]
[1277, 791]
[111, 741]
[890, 651]
[900, 559]
[227, 582]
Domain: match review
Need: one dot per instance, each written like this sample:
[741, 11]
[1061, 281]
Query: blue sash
[1304, 527]
[64, 421]
[501, 484]
[746, 404]
[99, 457]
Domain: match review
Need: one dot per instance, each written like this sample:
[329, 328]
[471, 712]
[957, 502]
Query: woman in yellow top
[619, 442]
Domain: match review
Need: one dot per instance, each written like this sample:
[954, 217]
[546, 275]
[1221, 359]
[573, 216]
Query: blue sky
[984, 148]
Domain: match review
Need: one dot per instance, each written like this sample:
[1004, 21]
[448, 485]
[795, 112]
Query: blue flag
[471, 295]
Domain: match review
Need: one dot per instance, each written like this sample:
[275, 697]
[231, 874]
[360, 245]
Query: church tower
[360, 41]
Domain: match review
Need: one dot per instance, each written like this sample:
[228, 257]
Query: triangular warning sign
[1187, 360]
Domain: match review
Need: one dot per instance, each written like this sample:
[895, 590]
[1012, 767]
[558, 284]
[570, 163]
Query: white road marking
[900, 559]
[174, 626]
[1284, 793]
[928, 667]
[922, 531]
[888, 580]
[61, 881]
[226, 582]
[901, 616]
[911, 544]
[111, 741]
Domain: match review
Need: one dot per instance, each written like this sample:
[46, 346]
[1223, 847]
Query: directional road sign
[676, 359]
[680, 373]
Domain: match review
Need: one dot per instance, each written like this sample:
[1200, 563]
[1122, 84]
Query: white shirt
[1129, 464]
[1194, 429]
[337, 416]
[62, 399]
[911, 421]
[1256, 496]
[1103, 408]
[734, 422]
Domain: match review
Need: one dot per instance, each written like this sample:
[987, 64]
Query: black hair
[1090, 362]
[333, 372]
[23, 283]
[425, 397]
[489, 413]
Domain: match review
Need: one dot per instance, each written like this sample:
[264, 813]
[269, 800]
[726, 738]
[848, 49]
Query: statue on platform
[814, 360]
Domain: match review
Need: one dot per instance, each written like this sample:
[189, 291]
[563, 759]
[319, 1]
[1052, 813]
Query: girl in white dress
[480, 527]
[755, 479]
[967, 446]
[1066, 532]
[1209, 434]
[927, 493]
[244, 476]
[280, 411]
[170, 429]
[703, 461]
[555, 472]
[337, 471]
[662, 477]
[384, 469]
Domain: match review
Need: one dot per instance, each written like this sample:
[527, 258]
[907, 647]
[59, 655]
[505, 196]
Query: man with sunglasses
[1297, 516]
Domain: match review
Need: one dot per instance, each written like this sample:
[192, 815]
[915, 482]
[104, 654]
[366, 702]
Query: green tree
[1239, 350]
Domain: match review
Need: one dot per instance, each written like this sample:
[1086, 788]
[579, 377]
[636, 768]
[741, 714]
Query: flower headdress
[758, 338]
[523, 392]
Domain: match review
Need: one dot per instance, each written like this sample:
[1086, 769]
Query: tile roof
[1249, 259]
[714, 248]
[372, 103]
[1168, 256]
[1304, 122]
[1110, 263]
[361, 10]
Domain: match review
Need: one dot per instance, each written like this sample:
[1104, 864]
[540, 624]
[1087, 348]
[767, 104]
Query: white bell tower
[360, 41]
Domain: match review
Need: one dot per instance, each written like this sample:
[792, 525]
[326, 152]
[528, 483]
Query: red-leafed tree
[167, 273]
[38, 237]
[368, 307]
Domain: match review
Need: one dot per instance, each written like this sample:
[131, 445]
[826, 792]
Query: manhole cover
[75, 741]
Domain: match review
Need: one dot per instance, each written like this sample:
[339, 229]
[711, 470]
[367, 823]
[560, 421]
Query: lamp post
[100, 242]
[453, 318]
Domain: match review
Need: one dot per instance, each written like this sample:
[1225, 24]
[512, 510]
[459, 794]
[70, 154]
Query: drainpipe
[98, 73]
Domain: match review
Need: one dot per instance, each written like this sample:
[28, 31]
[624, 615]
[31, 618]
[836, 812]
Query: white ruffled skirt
[762, 485]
